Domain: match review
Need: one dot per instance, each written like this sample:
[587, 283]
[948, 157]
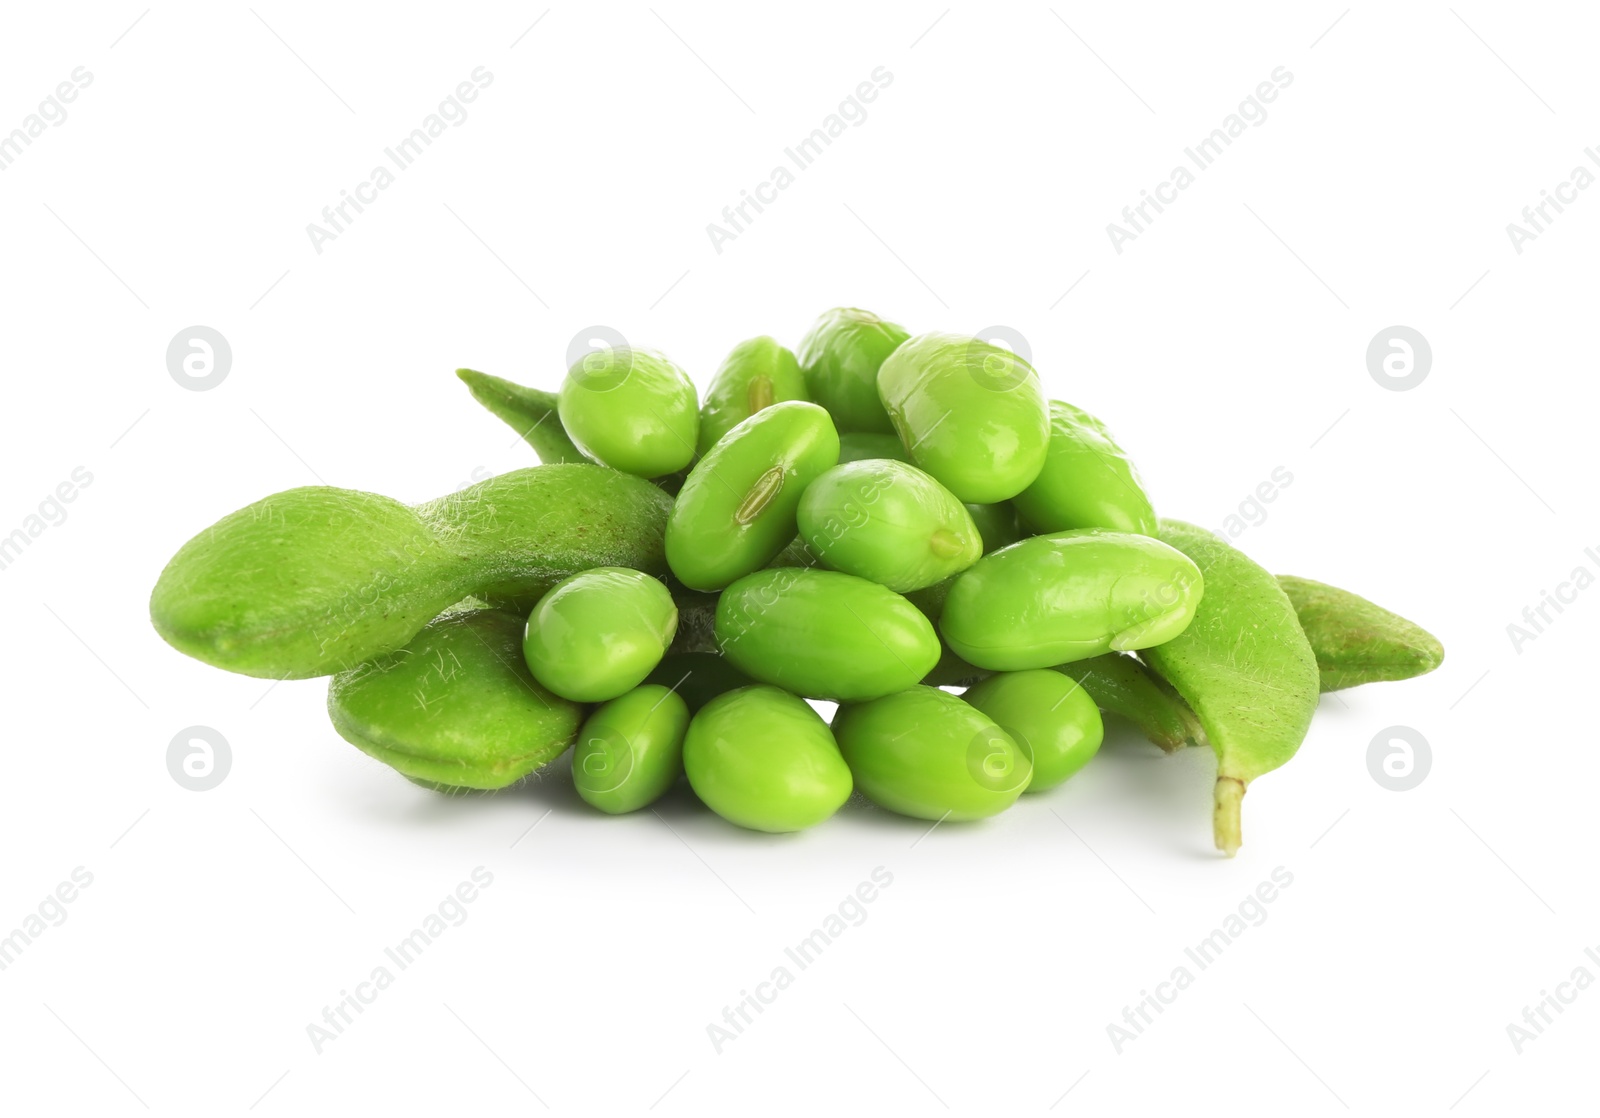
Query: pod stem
[1225, 820]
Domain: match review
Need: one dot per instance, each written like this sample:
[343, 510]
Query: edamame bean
[757, 374]
[925, 753]
[1120, 684]
[840, 357]
[315, 580]
[736, 511]
[630, 751]
[855, 446]
[1087, 481]
[888, 522]
[1244, 666]
[1355, 641]
[1050, 717]
[531, 412]
[632, 410]
[763, 759]
[599, 633]
[970, 413]
[824, 635]
[698, 677]
[1069, 596]
[457, 707]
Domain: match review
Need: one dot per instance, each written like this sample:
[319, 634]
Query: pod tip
[1225, 820]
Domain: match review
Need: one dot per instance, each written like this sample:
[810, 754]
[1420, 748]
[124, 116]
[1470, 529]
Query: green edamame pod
[736, 511]
[630, 751]
[824, 635]
[632, 410]
[698, 676]
[531, 412]
[757, 374]
[598, 634]
[1069, 596]
[925, 753]
[1356, 641]
[763, 759]
[1120, 684]
[1052, 718]
[315, 580]
[997, 524]
[888, 522]
[1243, 666]
[855, 446]
[840, 357]
[971, 413]
[1087, 481]
[455, 708]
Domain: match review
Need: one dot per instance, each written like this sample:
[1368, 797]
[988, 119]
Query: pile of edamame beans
[904, 526]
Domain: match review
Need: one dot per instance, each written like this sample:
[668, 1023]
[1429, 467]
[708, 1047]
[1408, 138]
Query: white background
[1227, 340]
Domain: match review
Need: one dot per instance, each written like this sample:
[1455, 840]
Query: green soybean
[632, 410]
[755, 375]
[698, 677]
[531, 412]
[1052, 718]
[763, 759]
[1087, 481]
[1120, 684]
[598, 634]
[856, 446]
[630, 751]
[840, 357]
[971, 414]
[315, 580]
[736, 511]
[1245, 668]
[1356, 641]
[925, 753]
[888, 522]
[456, 707]
[825, 635]
[1068, 596]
